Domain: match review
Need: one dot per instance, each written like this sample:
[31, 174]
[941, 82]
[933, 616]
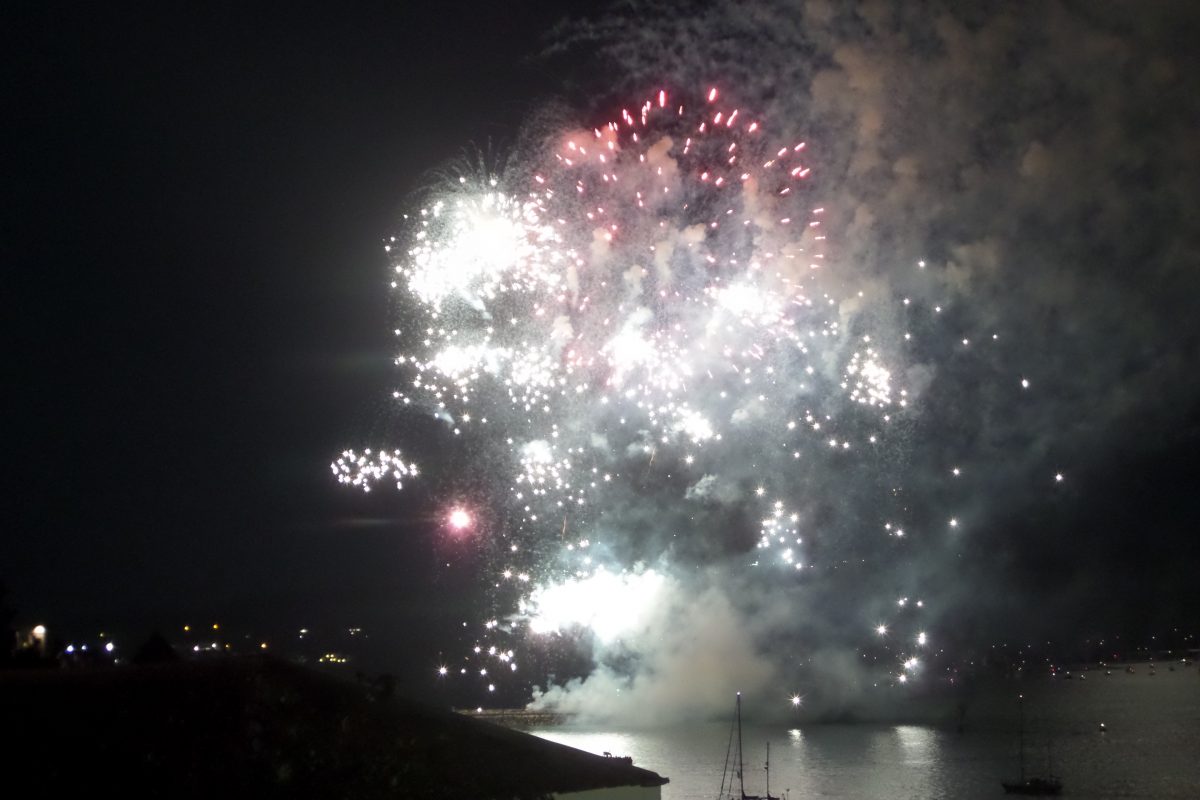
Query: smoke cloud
[1025, 176]
[697, 631]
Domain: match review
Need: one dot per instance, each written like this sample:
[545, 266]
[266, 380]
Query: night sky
[199, 320]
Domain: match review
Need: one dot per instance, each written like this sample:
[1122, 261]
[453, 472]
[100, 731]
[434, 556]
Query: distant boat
[1034, 786]
[726, 791]
[1037, 785]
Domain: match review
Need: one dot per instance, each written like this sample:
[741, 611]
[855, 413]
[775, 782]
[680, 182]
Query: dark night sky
[196, 207]
[198, 321]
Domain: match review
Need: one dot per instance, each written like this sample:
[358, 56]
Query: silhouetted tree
[155, 650]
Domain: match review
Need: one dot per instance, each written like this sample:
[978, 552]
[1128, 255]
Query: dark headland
[259, 727]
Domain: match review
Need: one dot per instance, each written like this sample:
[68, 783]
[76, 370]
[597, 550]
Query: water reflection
[1147, 751]
[917, 744]
[918, 749]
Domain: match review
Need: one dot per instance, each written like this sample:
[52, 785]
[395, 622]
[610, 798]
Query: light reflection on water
[1151, 748]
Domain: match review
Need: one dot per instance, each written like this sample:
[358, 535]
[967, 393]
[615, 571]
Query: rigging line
[725, 769]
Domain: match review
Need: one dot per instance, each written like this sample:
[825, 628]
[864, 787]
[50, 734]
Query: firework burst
[652, 292]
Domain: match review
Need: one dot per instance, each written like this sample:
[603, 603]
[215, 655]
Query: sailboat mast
[1049, 755]
[741, 778]
[1021, 713]
[768, 768]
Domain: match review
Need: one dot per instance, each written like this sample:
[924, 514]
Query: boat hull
[1034, 786]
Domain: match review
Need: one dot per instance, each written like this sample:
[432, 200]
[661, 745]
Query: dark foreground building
[266, 729]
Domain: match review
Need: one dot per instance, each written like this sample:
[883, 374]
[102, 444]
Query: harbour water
[1149, 746]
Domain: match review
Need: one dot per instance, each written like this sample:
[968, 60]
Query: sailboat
[726, 792]
[1036, 785]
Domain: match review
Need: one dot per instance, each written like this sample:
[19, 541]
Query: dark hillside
[264, 728]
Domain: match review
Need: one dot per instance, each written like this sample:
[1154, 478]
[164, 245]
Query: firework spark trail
[657, 260]
[363, 470]
[664, 258]
[654, 287]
